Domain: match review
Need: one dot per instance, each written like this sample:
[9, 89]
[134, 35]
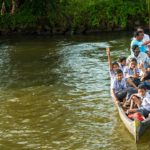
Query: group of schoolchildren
[130, 77]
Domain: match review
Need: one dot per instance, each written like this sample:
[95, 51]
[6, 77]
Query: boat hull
[136, 128]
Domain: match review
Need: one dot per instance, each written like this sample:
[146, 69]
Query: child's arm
[131, 111]
[109, 58]
[146, 42]
[141, 66]
[126, 75]
[132, 84]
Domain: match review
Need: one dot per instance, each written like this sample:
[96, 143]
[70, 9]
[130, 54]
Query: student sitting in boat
[122, 62]
[138, 40]
[132, 72]
[144, 66]
[112, 66]
[142, 100]
[146, 79]
[147, 61]
[139, 56]
[119, 88]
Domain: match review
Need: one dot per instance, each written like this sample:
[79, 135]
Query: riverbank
[60, 31]
[72, 17]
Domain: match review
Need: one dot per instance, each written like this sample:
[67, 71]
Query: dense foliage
[61, 16]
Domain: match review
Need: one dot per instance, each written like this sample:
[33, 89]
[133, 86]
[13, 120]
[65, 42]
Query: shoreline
[30, 31]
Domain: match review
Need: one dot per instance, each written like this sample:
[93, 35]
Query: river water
[54, 94]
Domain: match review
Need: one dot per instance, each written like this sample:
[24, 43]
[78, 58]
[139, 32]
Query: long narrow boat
[135, 127]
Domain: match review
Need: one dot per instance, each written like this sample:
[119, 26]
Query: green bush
[75, 14]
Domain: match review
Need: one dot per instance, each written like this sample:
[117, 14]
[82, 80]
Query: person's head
[136, 50]
[146, 75]
[141, 90]
[122, 60]
[119, 74]
[140, 29]
[133, 63]
[115, 66]
[138, 35]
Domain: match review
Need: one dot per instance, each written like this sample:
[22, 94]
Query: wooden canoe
[135, 127]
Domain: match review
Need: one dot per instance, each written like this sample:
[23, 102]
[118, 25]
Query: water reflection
[54, 94]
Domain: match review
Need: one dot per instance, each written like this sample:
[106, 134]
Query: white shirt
[129, 72]
[112, 76]
[140, 58]
[146, 102]
[119, 85]
[145, 38]
[121, 67]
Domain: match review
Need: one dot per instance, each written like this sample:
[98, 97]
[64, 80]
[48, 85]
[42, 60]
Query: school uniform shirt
[146, 102]
[142, 57]
[130, 72]
[147, 62]
[112, 76]
[140, 44]
[121, 67]
[119, 85]
[145, 38]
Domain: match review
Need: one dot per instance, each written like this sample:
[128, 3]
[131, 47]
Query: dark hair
[142, 86]
[122, 58]
[133, 59]
[118, 71]
[115, 63]
[134, 47]
[137, 33]
[147, 76]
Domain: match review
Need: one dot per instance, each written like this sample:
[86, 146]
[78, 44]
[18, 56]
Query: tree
[13, 6]
[3, 9]
[148, 6]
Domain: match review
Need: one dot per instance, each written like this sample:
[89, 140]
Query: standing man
[146, 36]
[138, 40]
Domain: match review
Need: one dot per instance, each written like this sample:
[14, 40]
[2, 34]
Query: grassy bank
[71, 16]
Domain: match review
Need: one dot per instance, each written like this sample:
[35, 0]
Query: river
[54, 94]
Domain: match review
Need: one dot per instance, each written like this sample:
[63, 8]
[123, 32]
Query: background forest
[71, 16]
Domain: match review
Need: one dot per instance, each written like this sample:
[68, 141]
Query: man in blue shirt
[138, 40]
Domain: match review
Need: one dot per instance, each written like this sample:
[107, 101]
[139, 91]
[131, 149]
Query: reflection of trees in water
[5, 63]
[29, 63]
